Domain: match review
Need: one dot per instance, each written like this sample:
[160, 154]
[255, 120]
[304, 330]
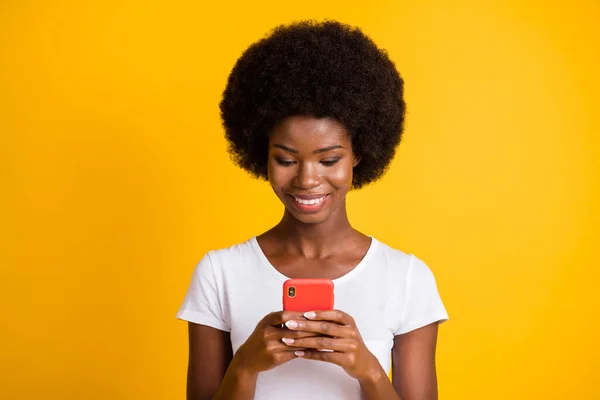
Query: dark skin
[309, 156]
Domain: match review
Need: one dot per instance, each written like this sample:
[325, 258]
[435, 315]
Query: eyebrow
[323, 150]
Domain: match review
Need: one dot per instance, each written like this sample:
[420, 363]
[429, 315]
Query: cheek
[340, 176]
[278, 176]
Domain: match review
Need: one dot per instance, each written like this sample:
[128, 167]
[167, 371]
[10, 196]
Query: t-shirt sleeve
[422, 305]
[201, 304]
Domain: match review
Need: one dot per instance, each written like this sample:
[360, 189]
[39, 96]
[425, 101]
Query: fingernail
[287, 340]
[291, 324]
[310, 315]
[299, 353]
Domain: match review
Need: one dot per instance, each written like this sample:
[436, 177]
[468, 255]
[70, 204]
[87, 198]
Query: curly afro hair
[319, 69]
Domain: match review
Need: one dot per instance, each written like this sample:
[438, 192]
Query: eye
[285, 163]
[329, 163]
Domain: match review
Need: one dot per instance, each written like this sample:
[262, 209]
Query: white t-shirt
[388, 293]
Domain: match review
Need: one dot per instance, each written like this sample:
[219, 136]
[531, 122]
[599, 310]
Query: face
[310, 166]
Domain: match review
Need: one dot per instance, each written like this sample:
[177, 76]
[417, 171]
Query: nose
[307, 177]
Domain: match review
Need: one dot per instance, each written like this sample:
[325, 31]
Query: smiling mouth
[316, 200]
[311, 205]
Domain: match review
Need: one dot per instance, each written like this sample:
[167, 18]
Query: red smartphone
[304, 294]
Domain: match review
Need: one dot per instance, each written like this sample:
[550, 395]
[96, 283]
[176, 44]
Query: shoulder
[401, 262]
[233, 258]
[233, 251]
[393, 257]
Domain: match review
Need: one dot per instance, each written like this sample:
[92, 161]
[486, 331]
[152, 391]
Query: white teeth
[309, 202]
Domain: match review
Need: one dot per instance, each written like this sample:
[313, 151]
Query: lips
[309, 208]
[308, 196]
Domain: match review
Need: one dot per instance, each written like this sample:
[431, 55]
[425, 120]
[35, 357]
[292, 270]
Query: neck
[314, 240]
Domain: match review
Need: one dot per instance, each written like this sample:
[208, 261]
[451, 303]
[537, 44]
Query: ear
[356, 161]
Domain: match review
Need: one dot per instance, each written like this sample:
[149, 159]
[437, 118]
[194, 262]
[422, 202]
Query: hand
[264, 349]
[334, 330]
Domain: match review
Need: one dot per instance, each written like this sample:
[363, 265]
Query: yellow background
[115, 181]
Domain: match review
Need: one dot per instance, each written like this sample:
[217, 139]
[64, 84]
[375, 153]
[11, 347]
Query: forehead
[306, 132]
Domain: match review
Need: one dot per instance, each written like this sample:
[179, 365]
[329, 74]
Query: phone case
[303, 294]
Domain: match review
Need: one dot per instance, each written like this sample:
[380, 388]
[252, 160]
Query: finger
[337, 316]
[288, 333]
[340, 359]
[280, 346]
[327, 328]
[285, 356]
[322, 343]
[278, 318]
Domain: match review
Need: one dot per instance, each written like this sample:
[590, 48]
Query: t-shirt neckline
[347, 276]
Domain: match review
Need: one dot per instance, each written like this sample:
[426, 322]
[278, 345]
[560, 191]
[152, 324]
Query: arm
[413, 356]
[214, 373]
[338, 332]
[413, 368]
[210, 367]
[413, 364]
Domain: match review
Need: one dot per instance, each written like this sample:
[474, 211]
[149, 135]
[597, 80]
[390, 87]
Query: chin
[310, 219]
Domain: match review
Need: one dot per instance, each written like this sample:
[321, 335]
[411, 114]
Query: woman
[316, 109]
